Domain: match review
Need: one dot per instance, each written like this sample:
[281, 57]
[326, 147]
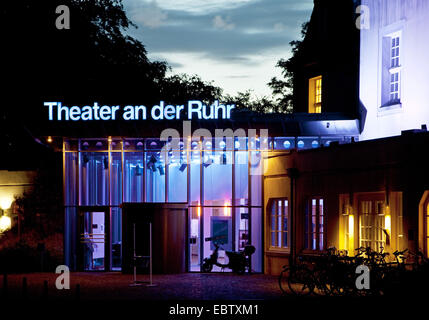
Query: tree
[247, 101]
[283, 88]
[180, 88]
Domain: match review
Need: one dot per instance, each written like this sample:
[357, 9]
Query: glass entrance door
[93, 240]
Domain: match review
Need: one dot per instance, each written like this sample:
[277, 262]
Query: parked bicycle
[334, 272]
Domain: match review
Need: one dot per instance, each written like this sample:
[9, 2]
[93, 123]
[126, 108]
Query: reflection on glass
[217, 231]
[155, 178]
[94, 174]
[217, 168]
[177, 178]
[133, 176]
[195, 240]
[69, 236]
[241, 178]
[70, 172]
[93, 240]
[116, 179]
[116, 228]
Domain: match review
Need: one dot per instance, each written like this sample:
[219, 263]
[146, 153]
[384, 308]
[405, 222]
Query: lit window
[279, 223]
[372, 224]
[314, 225]
[315, 95]
[391, 64]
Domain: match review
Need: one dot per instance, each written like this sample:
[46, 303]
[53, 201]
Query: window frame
[279, 231]
[371, 222]
[320, 233]
[390, 101]
[315, 94]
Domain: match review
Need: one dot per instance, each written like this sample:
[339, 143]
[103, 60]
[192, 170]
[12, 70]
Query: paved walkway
[116, 286]
[105, 294]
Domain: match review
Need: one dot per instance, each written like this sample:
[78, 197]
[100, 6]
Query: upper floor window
[279, 224]
[315, 95]
[315, 225]
[391, 70]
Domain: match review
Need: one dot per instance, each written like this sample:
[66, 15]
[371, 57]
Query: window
[395, 52]
[314, 225]
[372, 224]
[315, 95]
[279, 215]
[391, 72]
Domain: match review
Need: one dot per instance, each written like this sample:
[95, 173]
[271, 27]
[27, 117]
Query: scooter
[237, 261]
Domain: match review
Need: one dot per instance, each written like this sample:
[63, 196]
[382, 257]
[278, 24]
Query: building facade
[393, 67]
[219, 179]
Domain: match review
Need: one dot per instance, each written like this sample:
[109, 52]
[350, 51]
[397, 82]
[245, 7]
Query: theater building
[206, 187]
[346, 170]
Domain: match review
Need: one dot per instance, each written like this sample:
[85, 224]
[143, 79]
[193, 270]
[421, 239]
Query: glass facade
[220, 181]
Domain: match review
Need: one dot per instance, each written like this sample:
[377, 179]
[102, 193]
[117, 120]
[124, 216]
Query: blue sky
[236, 43]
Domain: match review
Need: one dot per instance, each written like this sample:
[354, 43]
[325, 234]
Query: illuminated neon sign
[195, 110]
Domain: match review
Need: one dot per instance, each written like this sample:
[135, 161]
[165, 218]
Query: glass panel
[178, 178]
[313, 242]
[313, 224]
[256, 172]
[241, 228]
[285, 240]
[241, 178]
[217, 167]
[94, 176]
[69, 238]
[273, 223]
[155, 178]
[70, 172]
[286, 217]
[93, 240]
[256, 239]
[195, 238]
[195, 168]
[116, 178]
[133, 176]
[273, 239]
[116, 232]
[217, 231]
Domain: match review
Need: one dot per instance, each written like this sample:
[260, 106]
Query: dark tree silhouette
[95, 60]
[283, 88]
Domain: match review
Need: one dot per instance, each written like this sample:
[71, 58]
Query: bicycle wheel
[300, 281]
[283, 280]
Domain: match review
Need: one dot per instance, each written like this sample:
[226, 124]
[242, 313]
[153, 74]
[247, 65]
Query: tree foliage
[283, 88]
[247, 101]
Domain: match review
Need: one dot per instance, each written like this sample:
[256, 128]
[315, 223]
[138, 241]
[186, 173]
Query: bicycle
[296, 277]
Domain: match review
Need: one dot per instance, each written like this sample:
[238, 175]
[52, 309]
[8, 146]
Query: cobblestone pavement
[102, 295]
[116, 286]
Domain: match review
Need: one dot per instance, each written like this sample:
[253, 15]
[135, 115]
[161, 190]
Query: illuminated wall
[394, 70]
